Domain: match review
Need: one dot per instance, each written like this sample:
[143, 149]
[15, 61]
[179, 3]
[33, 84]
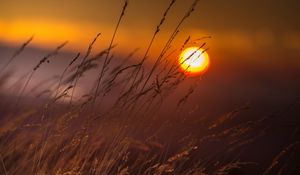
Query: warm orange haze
[149, 87]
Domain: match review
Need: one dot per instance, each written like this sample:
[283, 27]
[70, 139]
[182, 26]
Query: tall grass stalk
[106, 61]
[43, 60]
[18, 52]
[88, 52]
[188, 13]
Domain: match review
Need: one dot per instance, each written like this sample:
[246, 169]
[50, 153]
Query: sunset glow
[194, 61]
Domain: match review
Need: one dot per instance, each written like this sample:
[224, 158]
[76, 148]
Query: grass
[146, 129]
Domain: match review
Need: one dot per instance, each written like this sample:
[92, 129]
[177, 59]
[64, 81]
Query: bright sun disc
[194, 60]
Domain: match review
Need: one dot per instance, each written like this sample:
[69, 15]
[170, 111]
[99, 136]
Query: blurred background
[254, 49]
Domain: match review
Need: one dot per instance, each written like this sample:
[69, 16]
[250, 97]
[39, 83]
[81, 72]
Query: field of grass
[134, 120]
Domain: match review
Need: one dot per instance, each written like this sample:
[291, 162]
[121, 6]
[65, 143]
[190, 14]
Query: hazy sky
[254, 50]
[236, 25]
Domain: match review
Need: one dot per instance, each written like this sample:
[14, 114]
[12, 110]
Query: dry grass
[132, 135]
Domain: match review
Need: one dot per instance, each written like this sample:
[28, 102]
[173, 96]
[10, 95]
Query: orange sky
[254, 49]
[236, 26]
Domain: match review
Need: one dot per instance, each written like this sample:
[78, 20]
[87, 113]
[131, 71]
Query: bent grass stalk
[18, 52]
[88, 52]
[188, 13]
[63, 74]
[44, 59]
[136, 83]
[106, 61]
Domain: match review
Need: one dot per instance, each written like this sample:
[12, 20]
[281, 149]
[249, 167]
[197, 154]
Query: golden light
[194, 61]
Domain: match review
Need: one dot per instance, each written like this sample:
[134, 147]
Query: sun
[194, 61]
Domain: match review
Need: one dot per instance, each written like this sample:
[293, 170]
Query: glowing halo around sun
[194, 61]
